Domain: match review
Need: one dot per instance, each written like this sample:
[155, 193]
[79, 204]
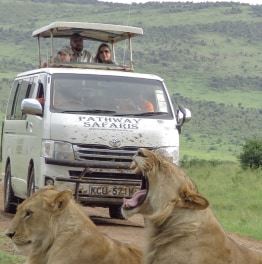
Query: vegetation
[208, 53]
[7, 257]
[233, 193]
[251, 155]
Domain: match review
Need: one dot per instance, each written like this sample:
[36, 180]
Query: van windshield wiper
[90, 111]
[151, 113]
[143, 114]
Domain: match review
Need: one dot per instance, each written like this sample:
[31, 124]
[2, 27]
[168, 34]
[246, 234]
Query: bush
[189, 162]
[251, 156]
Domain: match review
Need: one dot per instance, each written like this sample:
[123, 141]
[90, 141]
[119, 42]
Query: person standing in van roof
[104, 54]
[65, 54]
[79, 54]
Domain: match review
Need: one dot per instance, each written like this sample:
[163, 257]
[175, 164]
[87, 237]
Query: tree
[251, 156]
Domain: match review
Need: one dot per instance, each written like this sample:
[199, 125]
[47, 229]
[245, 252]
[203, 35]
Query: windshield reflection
[109, 95]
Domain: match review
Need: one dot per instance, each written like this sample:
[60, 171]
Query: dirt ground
[129, 231]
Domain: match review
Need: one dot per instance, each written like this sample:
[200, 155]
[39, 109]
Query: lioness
[53, 229]
[180, 226]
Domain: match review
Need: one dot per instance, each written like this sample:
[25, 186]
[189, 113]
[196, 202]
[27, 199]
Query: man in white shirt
[79, 54]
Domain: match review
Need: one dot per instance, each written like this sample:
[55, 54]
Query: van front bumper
[96, 184]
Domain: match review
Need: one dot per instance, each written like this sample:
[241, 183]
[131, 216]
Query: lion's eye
[28, 212]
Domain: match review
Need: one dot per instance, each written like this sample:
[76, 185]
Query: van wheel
[115, 212]
[10, 201]
[31, 181]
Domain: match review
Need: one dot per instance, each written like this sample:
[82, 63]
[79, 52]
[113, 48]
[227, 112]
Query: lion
[51, 228]
[179, 224]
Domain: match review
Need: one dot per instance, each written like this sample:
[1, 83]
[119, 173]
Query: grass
[7, 257]
[189, 17]
[208, 148]
[196, 90]
[234, 195]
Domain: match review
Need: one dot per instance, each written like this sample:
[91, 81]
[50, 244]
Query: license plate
[112, 190]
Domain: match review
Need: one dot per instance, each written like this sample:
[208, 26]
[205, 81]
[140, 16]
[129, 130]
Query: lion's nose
[9, 234]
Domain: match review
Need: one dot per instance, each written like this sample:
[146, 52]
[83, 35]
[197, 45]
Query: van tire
[10, 201]
[31, 181]
[115, 212]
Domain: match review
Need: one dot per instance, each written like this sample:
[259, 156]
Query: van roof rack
[108, 33]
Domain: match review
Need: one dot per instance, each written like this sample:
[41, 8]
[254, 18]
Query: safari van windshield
[112, 95]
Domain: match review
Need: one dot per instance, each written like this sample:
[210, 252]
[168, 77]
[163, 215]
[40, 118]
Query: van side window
[22, 94]
[12, 98]
[20, 91]
[31, 87]
[40, 95]
[40, 91]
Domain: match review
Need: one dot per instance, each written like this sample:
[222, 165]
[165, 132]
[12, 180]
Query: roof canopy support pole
[52, 46]
[39, 53]
[113, 51]
[131, 54]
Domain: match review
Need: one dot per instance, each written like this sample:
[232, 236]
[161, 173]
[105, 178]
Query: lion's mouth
[23, 247]
[21, 244]
[138, 197]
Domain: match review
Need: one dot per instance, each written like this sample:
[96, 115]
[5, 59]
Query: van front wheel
[31, 181]
[10, 201]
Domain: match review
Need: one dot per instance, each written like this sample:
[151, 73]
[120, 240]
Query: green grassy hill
[208, 53]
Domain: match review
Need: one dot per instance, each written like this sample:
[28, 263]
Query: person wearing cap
[79, 53]
[65, 54]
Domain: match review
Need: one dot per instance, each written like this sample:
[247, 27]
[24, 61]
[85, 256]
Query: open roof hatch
[107, 33]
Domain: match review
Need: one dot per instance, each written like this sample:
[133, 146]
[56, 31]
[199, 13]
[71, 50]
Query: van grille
[104, 153]
[101, 153]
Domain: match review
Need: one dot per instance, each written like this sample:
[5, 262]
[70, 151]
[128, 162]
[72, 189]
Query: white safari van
[77, 126]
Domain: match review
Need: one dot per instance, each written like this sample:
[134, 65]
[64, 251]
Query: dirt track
[128, 231]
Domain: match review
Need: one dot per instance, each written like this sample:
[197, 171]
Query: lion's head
[30, 229]
[165, 186]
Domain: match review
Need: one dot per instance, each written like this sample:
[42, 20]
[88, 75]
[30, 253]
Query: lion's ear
[61, 200]
[193, 200]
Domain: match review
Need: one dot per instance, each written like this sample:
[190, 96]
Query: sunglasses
[104, 51]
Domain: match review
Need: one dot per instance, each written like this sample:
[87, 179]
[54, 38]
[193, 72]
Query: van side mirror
[31, 107]
[183, 115]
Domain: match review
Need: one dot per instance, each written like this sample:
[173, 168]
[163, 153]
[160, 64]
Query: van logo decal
[115, 143]
[110, 123]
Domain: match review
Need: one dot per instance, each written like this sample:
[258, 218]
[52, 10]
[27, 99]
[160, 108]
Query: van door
[15, 129]
[34, 136]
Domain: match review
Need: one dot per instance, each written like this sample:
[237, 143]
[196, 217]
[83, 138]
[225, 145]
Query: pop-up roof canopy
[91, 31]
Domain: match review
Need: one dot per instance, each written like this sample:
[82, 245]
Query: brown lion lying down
[180, 226]
[52, 228]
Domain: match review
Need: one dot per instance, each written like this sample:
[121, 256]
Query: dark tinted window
[12, 99]
[20, 91]
[22, 94]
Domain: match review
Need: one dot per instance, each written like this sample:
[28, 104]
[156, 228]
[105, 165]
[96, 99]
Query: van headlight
[171, 153]
[57, 150]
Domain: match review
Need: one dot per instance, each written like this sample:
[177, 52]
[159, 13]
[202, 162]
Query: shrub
[251, 156]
